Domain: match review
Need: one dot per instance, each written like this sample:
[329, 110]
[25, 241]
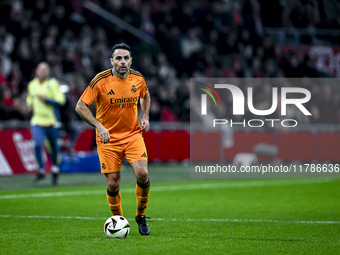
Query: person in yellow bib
[44, 99]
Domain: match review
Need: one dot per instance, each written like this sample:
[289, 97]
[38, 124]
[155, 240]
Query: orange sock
[115, 202]
[142, 195]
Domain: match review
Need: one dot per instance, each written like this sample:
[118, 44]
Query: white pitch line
[50, 217]
[193, 186]
[179, 220]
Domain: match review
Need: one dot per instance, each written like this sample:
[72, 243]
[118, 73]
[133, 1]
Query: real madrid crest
[133, 89]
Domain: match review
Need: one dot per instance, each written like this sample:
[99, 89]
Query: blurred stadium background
[171, 42]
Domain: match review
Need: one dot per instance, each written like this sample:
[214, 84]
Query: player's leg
[113, 195]
[136, 154]
[53, 135]
[143, 185]
[111, 158]
[38, 134]
[142, 194]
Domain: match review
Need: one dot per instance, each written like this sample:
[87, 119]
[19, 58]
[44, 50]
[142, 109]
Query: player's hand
[145, 125]
[103, 134]
[42, 98]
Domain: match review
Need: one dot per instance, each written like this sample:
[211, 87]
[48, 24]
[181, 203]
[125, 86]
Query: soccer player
[116, 92]
[44, 99]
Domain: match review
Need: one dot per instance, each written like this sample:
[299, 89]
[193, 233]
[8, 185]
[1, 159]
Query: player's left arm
[145, 105]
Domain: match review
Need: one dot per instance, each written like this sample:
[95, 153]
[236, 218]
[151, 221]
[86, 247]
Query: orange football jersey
[116, 103]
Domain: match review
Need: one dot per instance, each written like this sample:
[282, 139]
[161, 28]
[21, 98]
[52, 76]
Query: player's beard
[123, 72]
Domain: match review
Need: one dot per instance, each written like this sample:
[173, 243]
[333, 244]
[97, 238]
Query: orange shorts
[111, 156]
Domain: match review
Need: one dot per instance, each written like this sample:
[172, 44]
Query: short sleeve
[90, 95]
[144, 89]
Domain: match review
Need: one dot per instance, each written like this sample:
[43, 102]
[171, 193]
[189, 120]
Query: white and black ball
[116, 227]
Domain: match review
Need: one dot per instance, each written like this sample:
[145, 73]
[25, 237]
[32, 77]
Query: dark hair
[122, 46]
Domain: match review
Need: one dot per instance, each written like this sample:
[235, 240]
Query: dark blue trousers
[39, 134]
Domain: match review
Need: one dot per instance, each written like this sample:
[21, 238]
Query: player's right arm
[84, 112]
[29, 98]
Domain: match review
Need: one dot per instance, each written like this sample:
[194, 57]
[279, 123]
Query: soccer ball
[116, 227]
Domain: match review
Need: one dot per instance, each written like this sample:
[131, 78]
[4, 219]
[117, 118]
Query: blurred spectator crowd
[198, 38]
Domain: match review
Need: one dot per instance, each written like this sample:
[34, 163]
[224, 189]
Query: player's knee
[113, 186]
[113, 182]
[142, 175]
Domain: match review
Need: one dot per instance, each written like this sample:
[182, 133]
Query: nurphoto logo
[238, 104]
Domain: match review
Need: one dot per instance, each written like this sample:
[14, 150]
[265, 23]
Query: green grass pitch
[240, 216]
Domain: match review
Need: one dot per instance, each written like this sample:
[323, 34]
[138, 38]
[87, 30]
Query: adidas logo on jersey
[144, 155]
[111, 92]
